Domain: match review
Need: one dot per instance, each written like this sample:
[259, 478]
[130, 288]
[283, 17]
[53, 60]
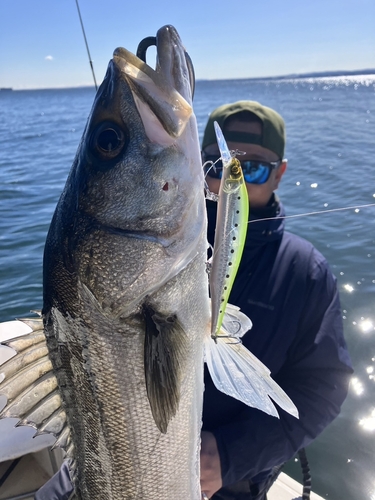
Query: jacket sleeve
[315, 375]
[59, 487]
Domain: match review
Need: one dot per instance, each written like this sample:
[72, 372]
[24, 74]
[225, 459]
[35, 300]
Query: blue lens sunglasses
[254, 171]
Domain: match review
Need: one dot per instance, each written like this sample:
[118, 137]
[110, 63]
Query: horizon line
[315, 74]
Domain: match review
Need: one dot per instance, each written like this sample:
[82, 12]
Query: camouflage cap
[272, 138]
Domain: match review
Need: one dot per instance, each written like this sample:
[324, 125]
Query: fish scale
[140, 462]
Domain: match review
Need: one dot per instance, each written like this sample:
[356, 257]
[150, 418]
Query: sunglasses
[254, 171]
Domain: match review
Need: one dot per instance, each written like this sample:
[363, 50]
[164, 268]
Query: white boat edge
[287, 488]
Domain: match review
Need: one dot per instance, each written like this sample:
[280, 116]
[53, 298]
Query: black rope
[9, 471]
[306, 474]
[87, 47]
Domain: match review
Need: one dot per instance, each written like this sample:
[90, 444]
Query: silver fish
[125, 292]
[113, 368]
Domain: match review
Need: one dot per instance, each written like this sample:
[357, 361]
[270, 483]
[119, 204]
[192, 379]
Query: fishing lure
[230, 233]
[233, 368]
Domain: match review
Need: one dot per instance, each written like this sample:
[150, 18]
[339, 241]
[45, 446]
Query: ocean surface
[330, 180]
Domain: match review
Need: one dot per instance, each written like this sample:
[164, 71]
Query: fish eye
[108, 140]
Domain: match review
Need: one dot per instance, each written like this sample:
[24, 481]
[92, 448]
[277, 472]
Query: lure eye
[235, 167]
[108, 140]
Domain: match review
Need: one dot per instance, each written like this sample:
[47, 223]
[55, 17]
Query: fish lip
[128, 233]
[140, 235]
[165, 90]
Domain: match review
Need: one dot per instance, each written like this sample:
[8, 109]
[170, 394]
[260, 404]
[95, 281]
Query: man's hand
[210, 465]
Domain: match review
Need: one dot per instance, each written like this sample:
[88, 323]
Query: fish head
[137, 172]
[138, 167]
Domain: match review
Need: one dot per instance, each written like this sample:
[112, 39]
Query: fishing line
[340, 209]
[214, 197]
[87, 47]
[211, 196]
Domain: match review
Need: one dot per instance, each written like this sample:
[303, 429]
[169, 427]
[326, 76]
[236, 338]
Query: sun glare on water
[357, 386]
[368, 423]
[366, 325]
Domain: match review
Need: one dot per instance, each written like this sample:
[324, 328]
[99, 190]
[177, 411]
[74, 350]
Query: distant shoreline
[292, 76]
[317, 74]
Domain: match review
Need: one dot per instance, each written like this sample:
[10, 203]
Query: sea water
[331, 164]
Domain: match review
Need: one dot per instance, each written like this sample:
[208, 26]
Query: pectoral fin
[29, 385]
[164, 355]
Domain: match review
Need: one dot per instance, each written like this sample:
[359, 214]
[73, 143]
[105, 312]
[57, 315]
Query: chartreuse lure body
[230, 233]
[233, 368]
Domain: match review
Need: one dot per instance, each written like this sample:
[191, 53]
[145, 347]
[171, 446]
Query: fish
[116, 359]
[113, 364]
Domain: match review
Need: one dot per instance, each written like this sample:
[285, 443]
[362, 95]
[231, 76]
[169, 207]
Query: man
[285, 286]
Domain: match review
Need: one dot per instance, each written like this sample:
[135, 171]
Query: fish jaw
[142, 184]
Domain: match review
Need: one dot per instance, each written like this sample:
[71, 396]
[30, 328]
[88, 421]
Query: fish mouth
[165, 239]
[167, 89]
[131, 233]
[156, 41]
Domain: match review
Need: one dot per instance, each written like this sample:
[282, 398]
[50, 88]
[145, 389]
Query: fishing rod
[87, 47]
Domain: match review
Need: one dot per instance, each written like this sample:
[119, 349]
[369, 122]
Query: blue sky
[41, 43]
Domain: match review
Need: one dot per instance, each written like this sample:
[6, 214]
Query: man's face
[259, 194]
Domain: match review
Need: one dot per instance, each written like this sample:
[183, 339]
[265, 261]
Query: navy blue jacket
[286, 288]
